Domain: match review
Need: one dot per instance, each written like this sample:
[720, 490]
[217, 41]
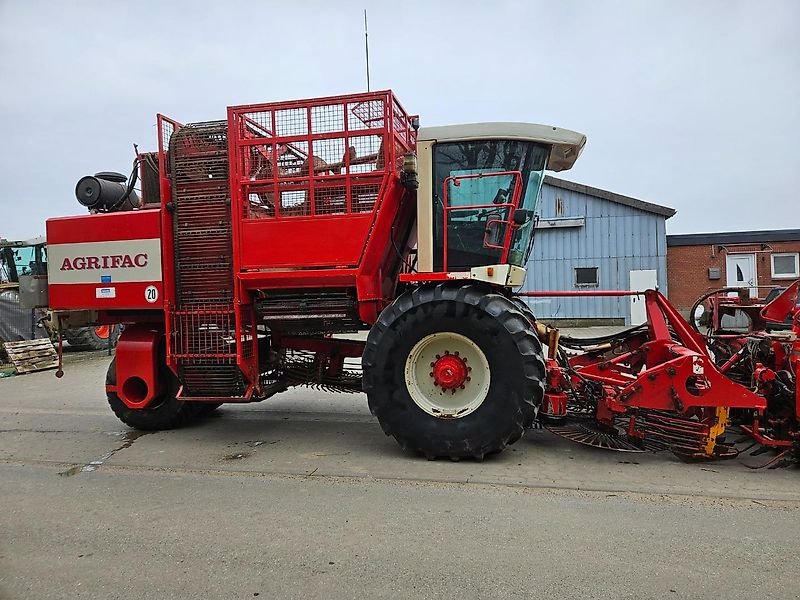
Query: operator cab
[479, 186]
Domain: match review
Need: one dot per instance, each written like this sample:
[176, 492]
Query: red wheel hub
[450, 371]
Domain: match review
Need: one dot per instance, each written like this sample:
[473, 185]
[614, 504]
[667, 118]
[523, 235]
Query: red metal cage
[307, 177]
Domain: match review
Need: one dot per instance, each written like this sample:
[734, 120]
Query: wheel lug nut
[456, 353]
[433, 364]
[468, 379]
[438, 356]
[461, 387]
[447, 352]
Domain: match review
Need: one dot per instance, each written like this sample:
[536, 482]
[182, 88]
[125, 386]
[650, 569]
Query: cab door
[478, 186]
[478, 209]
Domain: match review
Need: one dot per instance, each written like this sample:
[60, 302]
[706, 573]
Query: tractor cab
[21, 259]
[479, 186]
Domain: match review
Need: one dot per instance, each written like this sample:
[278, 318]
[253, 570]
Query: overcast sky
[693, 104]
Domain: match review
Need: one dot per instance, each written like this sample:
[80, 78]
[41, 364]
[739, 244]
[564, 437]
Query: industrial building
[593, 239]
[758, 260]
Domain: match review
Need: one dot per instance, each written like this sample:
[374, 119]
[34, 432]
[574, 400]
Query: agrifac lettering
[113, 261]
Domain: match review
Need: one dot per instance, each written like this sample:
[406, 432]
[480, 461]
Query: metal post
[366, 45]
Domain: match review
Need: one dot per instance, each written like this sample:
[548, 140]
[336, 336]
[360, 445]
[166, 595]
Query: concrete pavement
[302, 496]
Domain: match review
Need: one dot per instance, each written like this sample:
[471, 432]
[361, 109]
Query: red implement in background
[764, 358]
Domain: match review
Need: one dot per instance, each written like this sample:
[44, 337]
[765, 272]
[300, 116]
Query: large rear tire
[453, 370]
[93, 338]
[526, 310]
[166, 412]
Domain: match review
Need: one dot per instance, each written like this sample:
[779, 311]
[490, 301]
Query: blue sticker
[105, 278]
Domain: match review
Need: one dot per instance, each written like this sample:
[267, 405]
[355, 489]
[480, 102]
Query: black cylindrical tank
[105, 191]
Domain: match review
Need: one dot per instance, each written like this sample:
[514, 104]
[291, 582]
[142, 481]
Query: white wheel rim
[434, 375]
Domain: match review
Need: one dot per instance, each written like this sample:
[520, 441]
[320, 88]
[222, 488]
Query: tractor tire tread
[84, 338]
[414, 307]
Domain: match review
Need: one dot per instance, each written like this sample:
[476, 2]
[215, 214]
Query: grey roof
[735, 237]
[565, 145]
[665, 211]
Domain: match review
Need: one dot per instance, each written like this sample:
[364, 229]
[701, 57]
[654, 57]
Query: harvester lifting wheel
[453, 371]
[165, 412]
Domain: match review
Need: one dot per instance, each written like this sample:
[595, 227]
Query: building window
[586, 276]
[785, 265]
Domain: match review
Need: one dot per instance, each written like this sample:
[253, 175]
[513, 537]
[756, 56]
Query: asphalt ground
[302, 496]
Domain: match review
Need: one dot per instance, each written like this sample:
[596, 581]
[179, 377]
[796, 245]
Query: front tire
[165, 412]
[453, 370]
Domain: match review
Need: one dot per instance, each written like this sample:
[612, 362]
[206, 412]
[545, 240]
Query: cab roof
[566, 145]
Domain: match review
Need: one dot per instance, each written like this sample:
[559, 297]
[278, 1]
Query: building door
[640, 281]
[741, 270]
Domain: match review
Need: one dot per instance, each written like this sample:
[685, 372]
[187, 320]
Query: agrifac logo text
[114, 261]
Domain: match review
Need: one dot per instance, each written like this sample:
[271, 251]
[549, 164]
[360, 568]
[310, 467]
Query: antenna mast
[366, 45]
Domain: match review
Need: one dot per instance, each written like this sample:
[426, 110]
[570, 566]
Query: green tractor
[23, 258]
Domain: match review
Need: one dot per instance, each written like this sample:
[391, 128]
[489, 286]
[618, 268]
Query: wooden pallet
[32, 355]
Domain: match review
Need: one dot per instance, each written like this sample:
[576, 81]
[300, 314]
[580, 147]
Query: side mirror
[521, 216]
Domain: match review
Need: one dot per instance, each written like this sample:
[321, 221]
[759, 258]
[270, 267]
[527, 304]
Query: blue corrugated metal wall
[613, 237]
